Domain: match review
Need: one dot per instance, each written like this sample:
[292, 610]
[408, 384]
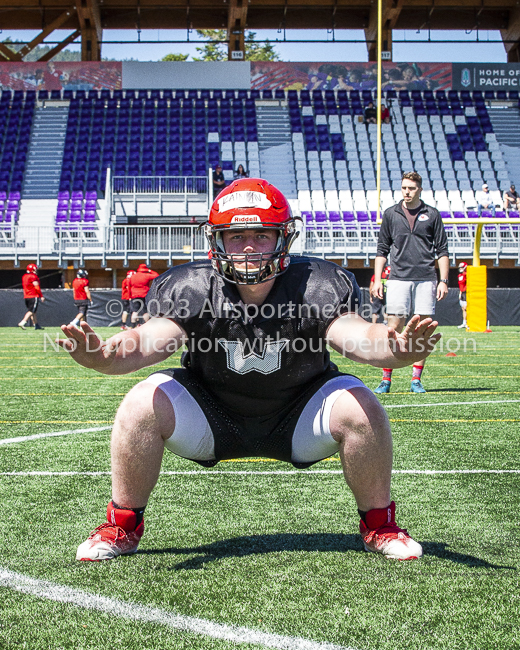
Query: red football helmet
[130, 273]
[250, 203]
[32, 268]
[463, 266]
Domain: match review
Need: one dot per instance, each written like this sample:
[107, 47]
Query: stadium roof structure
[88, 18]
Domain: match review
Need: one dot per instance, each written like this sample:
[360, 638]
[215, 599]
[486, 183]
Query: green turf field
[253, 554]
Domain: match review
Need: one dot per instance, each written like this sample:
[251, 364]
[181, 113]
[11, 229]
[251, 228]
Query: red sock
[126, 518]
[387, 374]
[416, 372]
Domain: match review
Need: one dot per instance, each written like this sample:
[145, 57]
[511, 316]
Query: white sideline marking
[202, 472]
[36, 436]
[136, 612]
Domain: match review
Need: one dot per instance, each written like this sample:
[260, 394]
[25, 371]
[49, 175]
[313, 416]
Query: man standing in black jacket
[413, 233]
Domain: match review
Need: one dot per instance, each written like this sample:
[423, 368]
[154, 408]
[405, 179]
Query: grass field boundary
[136, 612]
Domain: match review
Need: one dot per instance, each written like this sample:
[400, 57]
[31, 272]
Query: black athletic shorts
[82, 307]
[32, 304]
[139, 306]
[237, 436]
[463, 296]
[126, 305]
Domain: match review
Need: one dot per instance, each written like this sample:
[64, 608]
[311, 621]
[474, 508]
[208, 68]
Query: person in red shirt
[139, 284]
[385, 114]
[82, 296]
[33, 295]
[463, 267]
[125, 299]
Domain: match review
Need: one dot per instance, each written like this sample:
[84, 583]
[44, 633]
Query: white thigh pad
[192, 437]
[312, 439]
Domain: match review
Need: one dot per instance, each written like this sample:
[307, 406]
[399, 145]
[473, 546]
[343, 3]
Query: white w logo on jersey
[265, 363]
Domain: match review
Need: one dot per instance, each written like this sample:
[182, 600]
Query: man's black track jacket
[412, 253]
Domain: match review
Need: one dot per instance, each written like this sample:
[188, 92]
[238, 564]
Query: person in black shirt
[511, 199]
[413, 234]
[256, 378]
[370, 114]
[240, 172]
[218, 181]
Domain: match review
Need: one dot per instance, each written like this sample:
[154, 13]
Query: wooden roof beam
[237, 17]
[512, 33]
[55, 24]
[58, 48]
[391, 12]
[91, 29]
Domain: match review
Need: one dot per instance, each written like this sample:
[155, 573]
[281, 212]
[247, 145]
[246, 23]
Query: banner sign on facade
[66, 75]
[272, 75]
[486, 76]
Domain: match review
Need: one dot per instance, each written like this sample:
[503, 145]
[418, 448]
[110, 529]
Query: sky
[416, 48]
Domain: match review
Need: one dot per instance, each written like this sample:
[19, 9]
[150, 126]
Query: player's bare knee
[358, 411]
[146, 406]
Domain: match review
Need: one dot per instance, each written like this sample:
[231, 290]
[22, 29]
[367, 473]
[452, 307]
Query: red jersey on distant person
[140, 282]
[125, 290]
[462, 281]
[78, 287]
[29, 288]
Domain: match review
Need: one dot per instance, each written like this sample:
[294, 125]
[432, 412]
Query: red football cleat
[382, 535]
[113, 538]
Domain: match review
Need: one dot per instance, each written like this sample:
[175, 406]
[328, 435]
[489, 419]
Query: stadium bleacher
[446, 136]
[16, 115]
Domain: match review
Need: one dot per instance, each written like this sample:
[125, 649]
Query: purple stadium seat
[308, 218]
[90, 216]
[75, 216]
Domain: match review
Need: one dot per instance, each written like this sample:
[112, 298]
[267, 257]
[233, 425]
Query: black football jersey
[255, 359]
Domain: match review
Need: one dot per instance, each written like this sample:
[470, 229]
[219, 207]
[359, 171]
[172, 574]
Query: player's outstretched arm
[382, 346]
[125, 352]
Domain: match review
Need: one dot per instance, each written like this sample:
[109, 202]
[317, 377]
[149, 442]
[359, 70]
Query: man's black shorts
[237, 436]
[32, 304]
[126, 305]
[139, 306]
[82, 307]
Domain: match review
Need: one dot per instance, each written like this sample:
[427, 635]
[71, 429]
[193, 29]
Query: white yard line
[136, 612]
[36, 436]
[309, 472]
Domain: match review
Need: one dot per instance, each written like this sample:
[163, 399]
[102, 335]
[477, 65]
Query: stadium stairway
[275, 146]
[37, 212]
[506, 125]
[42, 175]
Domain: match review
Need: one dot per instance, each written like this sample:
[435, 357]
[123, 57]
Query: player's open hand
[377, 290]
[87, 348]
[416, 341]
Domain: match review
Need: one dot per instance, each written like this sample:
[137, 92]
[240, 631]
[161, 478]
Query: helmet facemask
[259, 266]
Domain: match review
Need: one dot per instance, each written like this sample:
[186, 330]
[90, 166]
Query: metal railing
[187, 242]
[127, 191]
